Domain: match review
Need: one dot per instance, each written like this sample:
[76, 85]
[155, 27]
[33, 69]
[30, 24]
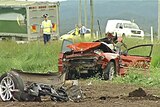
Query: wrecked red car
[87, 59]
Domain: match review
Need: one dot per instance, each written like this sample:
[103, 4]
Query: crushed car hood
[84, 46]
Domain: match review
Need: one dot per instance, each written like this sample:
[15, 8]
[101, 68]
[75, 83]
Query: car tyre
[9, 83]
[109, 71]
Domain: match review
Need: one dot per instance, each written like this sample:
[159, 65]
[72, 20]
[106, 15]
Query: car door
[137, 56]
[64, 49]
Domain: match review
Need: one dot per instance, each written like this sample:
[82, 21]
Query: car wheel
[109, 71]
[7, 85]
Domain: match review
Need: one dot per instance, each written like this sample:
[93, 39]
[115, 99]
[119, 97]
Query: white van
[124, 28]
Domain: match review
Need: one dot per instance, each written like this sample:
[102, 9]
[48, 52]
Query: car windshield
[131, 25]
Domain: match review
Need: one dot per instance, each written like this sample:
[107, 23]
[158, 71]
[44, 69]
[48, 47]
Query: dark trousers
[46, 38]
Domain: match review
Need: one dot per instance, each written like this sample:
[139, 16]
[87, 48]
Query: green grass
[146, 79]
[32, 57]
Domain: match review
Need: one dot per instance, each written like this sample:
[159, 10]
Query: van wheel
[109, 71]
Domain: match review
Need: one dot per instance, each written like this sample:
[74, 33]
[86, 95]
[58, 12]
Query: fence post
[151, 34]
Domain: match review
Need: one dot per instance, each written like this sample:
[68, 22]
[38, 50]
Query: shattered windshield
[131, 25]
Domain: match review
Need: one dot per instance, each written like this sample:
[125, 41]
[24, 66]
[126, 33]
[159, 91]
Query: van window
[119, 26]
[131, 25]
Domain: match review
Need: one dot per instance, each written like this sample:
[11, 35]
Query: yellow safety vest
[76, 30]
[46, 26]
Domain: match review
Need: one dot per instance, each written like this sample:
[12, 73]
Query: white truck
[124, 28]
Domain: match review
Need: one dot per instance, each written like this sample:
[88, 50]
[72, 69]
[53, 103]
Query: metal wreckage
[23, 86]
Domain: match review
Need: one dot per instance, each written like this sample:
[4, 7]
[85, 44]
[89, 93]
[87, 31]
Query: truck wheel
[109, 71]
[8, 84]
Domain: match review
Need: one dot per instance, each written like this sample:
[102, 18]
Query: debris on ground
[138, 93]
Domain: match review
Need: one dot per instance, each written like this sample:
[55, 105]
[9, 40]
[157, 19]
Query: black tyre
[109, 72]
[8, 84]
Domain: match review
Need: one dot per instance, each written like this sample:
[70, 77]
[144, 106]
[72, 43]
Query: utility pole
[85, 13]
[92, 18]
[80, 13]
[158, 19]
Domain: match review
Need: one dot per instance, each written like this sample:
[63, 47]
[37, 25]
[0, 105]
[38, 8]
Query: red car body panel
[136, 61]
[84, 46]
[60, 63]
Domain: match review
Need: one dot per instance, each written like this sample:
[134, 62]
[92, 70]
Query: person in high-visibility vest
[77, 30]
[46, 28]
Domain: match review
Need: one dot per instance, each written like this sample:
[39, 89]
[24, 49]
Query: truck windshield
[131, 25]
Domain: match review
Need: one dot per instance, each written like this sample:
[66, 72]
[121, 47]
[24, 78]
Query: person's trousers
[46, 38]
